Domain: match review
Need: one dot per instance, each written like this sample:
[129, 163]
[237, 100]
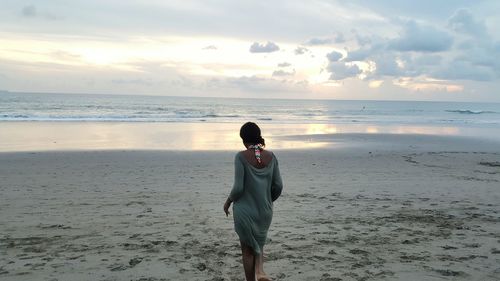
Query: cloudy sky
[388, 50]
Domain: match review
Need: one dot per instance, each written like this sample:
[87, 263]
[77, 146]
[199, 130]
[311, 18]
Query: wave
[220, 116]
[467, 111]
[15, 116]
[140, 116]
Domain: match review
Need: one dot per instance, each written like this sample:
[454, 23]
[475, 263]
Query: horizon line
[244, 98]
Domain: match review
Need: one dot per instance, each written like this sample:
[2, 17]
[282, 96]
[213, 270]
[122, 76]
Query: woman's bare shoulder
[249, 156]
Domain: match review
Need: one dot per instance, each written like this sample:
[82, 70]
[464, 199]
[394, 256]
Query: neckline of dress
[258, 169]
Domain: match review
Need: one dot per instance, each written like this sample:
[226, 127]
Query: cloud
[477, 52]
[341, 70]
[463, 70]
[268, 47]
[384, 40]
[420, 84]
[210, 47]
[65, 56]
[283, 73]
[319, 41]
[427, 60]
[339, 38]
[464, 22]
[386, 65]
[29, 11]
[284, 64]
[479, 57]
[413, 52]
[420, 38]
[362, 40]
[364, 52]
[334, 56]
[259, 85]
[301, 50]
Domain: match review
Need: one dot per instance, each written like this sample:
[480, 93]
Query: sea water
[139, 108]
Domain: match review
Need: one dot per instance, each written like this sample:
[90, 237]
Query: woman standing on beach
[257, 183]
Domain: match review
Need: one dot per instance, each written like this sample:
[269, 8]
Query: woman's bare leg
[259, 267]
[248, 262]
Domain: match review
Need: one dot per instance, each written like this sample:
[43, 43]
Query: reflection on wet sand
[36, 136]
[314, 129]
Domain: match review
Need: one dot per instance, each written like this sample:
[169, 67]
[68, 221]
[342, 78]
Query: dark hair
[250, 133]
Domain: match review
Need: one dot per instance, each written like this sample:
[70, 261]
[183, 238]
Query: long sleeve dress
[253, 193]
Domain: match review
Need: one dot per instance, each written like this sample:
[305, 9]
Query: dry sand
[391, 208]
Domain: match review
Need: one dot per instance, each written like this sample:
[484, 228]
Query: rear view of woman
[257, 183]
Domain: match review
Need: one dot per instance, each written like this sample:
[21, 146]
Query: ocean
[121, 108]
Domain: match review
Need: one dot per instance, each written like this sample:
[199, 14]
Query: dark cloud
[340, 70]
[268, 47]
[482, 55]
[362, 40]
[364, 53]
[466, 44]
[412, 53]
[477, 52]
[29, 11]
[386, 65]
[464, 22]
[428, 60]
[424, 9]
[339, 38]
[319, 41]
[463, 70]
[334, 56]
[420, 38]
[280, 72]
[301, 50]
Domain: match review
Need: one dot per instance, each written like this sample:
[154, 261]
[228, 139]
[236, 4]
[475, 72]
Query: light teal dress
[253, 193]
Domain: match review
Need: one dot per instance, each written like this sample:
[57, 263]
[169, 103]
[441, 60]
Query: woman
[257, 183]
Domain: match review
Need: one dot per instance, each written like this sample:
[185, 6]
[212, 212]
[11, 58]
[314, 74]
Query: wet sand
[390, 208]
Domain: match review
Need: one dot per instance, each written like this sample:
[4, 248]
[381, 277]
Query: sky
[316, 49]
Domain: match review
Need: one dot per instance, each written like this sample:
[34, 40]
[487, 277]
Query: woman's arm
[277, 184]
[239, 179]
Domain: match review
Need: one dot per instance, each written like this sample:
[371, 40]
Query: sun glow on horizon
[226, 57]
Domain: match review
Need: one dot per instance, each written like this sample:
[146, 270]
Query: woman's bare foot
[262, 276]
[259, 267]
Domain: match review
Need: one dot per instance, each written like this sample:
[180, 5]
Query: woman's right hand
[226, 207]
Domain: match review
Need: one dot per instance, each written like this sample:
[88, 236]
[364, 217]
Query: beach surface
[377, 207]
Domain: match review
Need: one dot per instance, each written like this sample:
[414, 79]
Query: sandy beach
[391, 207]
[120, 122]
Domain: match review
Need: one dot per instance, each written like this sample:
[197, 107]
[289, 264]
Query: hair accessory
[257, 148]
